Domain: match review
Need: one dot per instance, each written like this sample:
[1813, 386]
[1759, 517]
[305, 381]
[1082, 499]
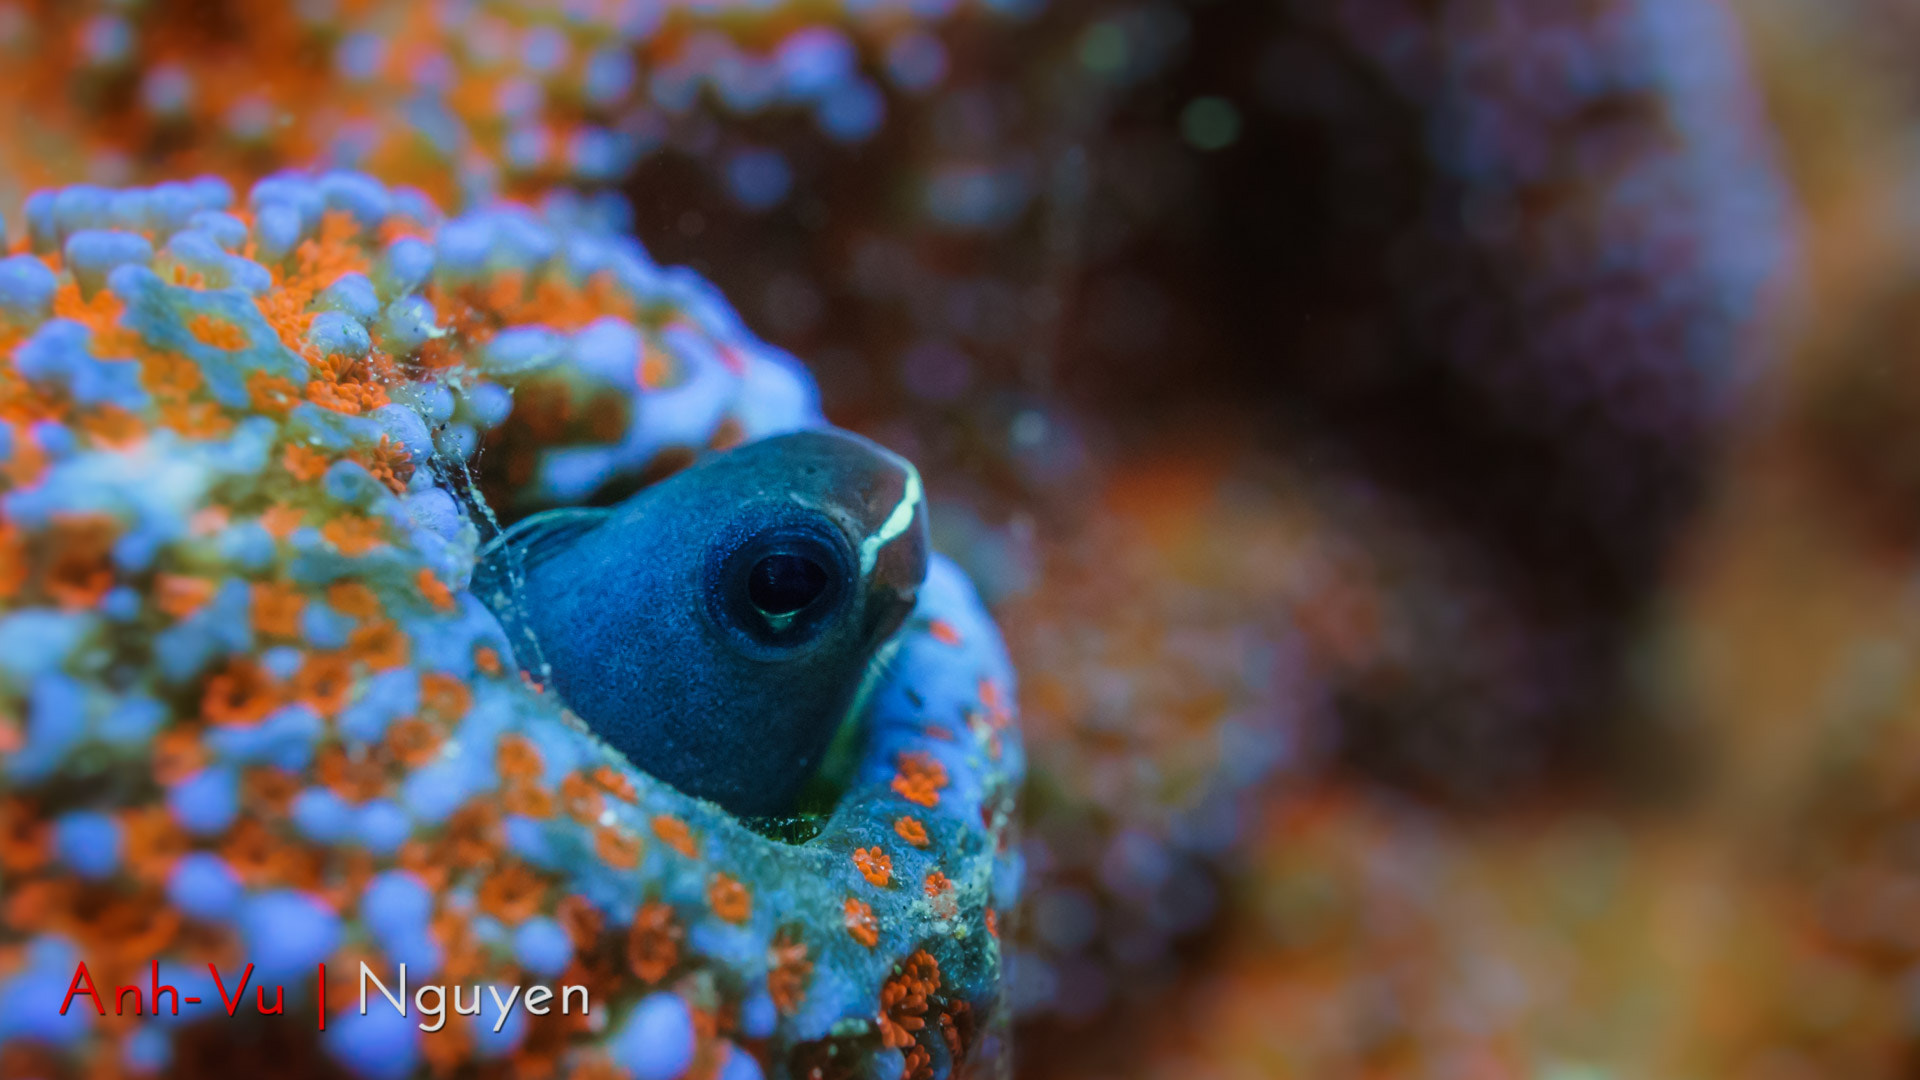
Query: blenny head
[717, 626]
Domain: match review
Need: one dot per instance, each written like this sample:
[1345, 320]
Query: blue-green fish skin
[650, 619]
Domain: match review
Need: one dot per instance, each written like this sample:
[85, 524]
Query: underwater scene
[960, 539]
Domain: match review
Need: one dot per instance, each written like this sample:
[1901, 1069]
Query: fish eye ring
[780, 587]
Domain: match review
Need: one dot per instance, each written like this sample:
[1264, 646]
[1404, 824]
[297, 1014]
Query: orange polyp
[860, 923]
[674, 833]
[217, 332]
[911, 830]
[353, 534]
[788, 970]
[874, 864]
[729, 898]
[653, 942]
[616, 848]
[277, 609]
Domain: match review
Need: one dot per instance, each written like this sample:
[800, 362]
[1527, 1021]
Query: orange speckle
[195, 419]
[355, 779]
[580, 798]
[379, 644]
[944, 632]
[937, 883]
[413, 742]
[271, 395]
[860, 923]
[39, 902]
[728, 898]
[324, 681]
[177, 754]
[444, 697]
[355, 599]
[81, 569]
[674, 833]
[153, 842]
[169, 376]
[788, 970]
[277, 608]
[613, 782]
[920, 779]
[111, 426]
[511, 894]
[874, 864]
[252, 852]
[653, 942]
[179, 596]
[218, 333]
[911, 830]
[304, 463]
[618, 849]
[435, 590]
[517, 758]
[269, 788]
[100, 313]
[241, 694]
[487, 660]
[654, 371]
[527, 799]
[354, 534]
[993, 922]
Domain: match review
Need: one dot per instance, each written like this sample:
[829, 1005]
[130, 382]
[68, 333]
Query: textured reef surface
[252, 714]
[465, 98]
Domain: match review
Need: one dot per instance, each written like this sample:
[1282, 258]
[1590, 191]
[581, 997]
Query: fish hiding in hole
[721, 626]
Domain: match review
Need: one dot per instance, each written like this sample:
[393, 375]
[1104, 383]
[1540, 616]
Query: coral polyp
[252, 710]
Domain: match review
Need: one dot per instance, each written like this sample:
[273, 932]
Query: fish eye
[783, 585]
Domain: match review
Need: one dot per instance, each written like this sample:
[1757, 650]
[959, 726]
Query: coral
[253, 714]
[464, 97]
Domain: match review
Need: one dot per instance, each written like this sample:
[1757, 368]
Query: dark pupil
[782, 584]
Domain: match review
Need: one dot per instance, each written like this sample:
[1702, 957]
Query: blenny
[717, 626]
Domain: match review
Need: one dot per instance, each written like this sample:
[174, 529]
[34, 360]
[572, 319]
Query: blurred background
[1448, 470]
